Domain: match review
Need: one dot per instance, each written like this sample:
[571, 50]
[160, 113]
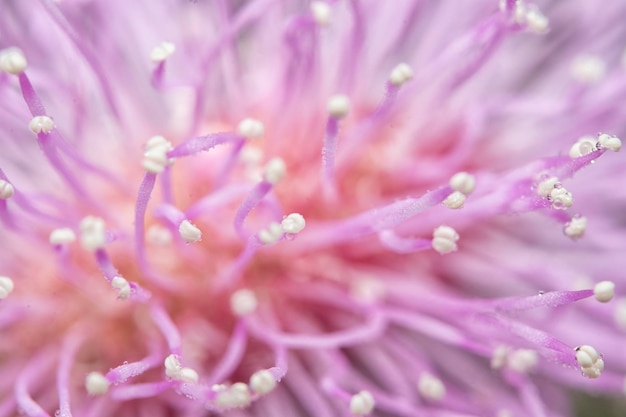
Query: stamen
[6, 190]
[155, 157]
[586, 356]
[62, 236]
[96, 383]
[400, 74]
[463, 182]
[159, 235]
[235, 396]
[188, 375]
[12, 61]
[431, 387]
[561, 198]
[604, 291]
[585, 145]
[250, 128]
[455, 200]
[163, 51]
[523, 360]
[591, 363]
[545, 187]
[233, 354]
[174, 370]
[172, 365]
[576, 227]
[338, 106]
[92, 233]
[127, 370]
[189, 232]
[168, 329]
[611, 142]
[444, 239]
[123, 287]
[588, 69]
[262, 382]
[274, 170]
[271, 234]
[243, 302]
[321, 12]
[536, 21]
[39, 124]
[362, 403]
[293, 224]
[499, 357]
[6, 287]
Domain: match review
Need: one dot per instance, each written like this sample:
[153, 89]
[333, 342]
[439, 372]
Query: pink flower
[310, 208]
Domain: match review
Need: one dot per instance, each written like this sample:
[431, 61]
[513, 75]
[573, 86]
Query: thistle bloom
[277, 207]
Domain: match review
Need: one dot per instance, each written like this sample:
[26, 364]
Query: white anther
[585, 145]
[172, 366]
[122, 286]
[576, 227]
[262, 382]
[189, 232]
[444, 239]
[274, 170]
[92, 233]
[159, 235]
[174, 370]
[545, 187]
[591, 372]
[251, 155]
[39, 124]
[156, 141]
[241, 394]
[362, 404]
[338, 106]
[463, 182]
[455, 200]
[12, 61]
[155, 155]
[589, 350]
[6, 287]
[499, 357]
[431, 387]
[162, 51]
[591, 364]
[250, 128]
[96, 383]
[584, 359]
[536, 21]
[561, 198]
[400, 74]
[519, 14]
[294, 223]
[188, 375]
[321, 12]
[6, 190]
[610, 142]
[62, 236]
[243, 302]
[237, 395]
[272, 234]
[588, 69]
[604, 291]
[523, 360]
